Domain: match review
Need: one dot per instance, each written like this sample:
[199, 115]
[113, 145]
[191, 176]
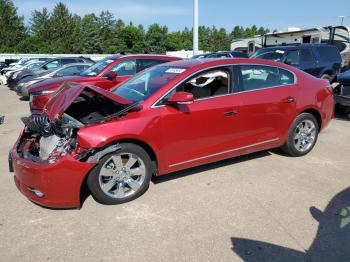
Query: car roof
[208, 62]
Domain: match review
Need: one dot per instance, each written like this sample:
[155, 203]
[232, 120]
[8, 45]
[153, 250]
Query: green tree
[12, 30]
[63, 30]
[174, 41]
[220, 40]
[90, 35]
[187, 39]
[237, 32]
[156, 39]
[133, 38]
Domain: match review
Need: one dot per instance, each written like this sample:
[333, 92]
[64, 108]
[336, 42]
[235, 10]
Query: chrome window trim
[154, 105]
[225, 152]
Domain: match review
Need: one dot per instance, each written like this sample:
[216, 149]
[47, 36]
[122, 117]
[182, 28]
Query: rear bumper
[60, 182]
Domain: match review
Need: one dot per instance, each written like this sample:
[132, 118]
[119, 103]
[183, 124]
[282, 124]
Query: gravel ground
[260, 207]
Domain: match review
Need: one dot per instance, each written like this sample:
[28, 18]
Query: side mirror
[112, 75]
[181, 98]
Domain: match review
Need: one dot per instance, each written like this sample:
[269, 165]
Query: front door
[207, 129]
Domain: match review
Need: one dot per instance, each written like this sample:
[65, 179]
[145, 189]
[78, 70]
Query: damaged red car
[168, 118]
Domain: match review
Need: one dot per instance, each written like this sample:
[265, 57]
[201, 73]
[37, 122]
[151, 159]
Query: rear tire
[302, 135]
[121, 176]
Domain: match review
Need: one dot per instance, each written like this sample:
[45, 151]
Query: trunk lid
[68, 93]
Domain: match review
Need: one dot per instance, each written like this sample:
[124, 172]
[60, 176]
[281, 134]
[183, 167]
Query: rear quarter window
[328, 54]
[286, 77]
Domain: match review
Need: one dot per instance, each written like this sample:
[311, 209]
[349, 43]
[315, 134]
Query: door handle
[289, 100]
[231, 113]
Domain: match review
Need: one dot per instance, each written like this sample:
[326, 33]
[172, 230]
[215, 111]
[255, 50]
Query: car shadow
[206, 167]
[331, 243]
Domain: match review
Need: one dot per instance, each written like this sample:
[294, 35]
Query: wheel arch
[84, 191]
[316, 114]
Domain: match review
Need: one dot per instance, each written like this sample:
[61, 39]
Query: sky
[177, 14]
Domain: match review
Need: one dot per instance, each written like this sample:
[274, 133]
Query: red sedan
[106, 74]
[168, 118]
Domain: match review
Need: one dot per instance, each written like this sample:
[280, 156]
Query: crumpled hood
[60, 102]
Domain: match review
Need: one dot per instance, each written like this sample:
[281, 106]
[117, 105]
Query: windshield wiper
[130, 108]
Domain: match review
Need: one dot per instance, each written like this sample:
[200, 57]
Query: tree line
[60, 31]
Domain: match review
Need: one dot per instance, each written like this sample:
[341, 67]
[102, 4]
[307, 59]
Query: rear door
[268, 102]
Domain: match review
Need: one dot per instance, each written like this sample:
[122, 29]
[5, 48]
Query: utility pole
[342, 17]
[195, 27]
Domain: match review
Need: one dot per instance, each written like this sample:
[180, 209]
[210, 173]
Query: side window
[72, 70]
[306, 56]
[293, 58]
[258, 77]
[287, 78]
[211, 83]
[328, 54]
[146, 63]
[124, 68]
[53, 64]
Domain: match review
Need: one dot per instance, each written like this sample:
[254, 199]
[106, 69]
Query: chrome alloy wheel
[122, 175]
[304, 135]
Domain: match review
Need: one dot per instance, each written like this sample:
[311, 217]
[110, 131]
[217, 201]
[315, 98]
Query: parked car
[66, 70]
[320, 60]
[47, 67]
[32, 64]
[167, 118]
[20, 65]
[342, 92]
[106, 74]
[231, 54]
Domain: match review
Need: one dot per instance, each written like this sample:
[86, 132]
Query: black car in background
[47, 67]
[320, 60]
[231, 54]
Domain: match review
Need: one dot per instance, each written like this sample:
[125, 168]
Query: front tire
[121, 176]
[302, 135]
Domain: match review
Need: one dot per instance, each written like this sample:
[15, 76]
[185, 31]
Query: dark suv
[47, 67]
[319, 60]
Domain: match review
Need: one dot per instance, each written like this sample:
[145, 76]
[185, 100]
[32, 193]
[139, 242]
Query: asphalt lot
[251, 208]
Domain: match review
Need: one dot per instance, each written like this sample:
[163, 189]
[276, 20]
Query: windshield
[275, 54]
[142, 86]
[95, 69]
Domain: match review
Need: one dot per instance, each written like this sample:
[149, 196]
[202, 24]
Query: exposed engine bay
[43, 140]
[47, 140]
